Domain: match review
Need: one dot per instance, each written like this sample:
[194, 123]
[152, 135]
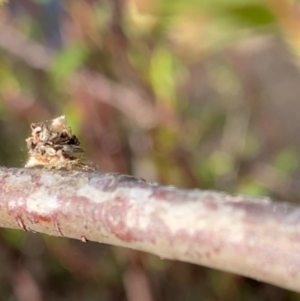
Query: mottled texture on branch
[248, 236]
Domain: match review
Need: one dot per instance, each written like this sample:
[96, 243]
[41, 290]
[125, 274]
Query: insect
[53, 146]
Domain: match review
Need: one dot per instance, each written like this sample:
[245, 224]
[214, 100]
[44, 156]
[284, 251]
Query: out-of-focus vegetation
[190, 93]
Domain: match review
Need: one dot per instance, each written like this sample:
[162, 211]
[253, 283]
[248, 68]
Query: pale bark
[254, 237]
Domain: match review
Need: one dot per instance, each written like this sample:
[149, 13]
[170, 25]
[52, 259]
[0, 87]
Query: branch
[253, 237]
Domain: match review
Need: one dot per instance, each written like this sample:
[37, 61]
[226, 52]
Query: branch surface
[253, 237]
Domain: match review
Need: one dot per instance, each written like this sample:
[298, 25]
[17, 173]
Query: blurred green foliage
[67, 61]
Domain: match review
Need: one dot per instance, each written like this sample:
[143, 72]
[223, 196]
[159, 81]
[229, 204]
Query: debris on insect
[53, 146]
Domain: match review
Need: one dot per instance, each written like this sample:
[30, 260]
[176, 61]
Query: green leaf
[252, 188]
[286, 161]
[250, 15]
[162, 74]
[68, 60]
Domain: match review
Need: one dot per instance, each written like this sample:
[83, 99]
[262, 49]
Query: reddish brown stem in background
[130, 101]
[253, 237]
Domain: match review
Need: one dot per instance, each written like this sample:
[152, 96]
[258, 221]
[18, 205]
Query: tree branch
[254, 237]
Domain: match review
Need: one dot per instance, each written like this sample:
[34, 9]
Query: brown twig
[254, 237]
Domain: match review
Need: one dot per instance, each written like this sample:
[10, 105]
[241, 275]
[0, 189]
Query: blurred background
[195, 93]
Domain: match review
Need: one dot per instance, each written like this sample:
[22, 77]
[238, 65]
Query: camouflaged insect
[53, 146]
